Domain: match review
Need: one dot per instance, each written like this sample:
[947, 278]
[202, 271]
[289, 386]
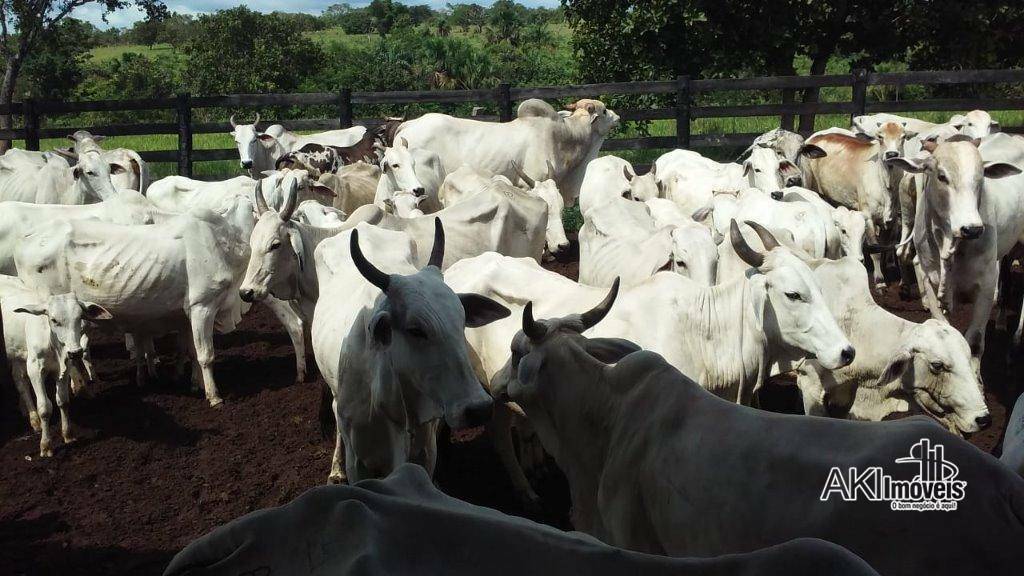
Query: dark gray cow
[658, 464]
[404, 525]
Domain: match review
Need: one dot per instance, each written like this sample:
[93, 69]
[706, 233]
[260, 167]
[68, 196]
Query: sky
[121, 18]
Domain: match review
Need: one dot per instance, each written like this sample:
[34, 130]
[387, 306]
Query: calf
[657, 464]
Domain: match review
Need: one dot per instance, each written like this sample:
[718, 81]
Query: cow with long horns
[392, 349]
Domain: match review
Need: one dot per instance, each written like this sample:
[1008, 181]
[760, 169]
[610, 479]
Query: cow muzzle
[972, 231]
[473, 414]
[246, 164]
[777, 195]
[247, 295]
[891, 154]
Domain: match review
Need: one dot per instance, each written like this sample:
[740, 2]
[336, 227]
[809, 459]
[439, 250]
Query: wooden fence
[503, 98]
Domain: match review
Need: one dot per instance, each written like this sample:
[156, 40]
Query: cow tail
[328, 424]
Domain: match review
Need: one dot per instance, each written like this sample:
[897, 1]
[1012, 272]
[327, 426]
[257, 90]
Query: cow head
[92, 175]
[642, 188]
[546, 354]
[547, 190]
[67, 315]
[404, 204]
[418, 329]
[695, 254]
[934, 367]
[975, 124]
[313, 213]
[249, 141]
[398, 169]
[766, 171]
[955, 171]
[793, 311]
[851, 225]
[891, 138]
[596, 113]
[277, 256]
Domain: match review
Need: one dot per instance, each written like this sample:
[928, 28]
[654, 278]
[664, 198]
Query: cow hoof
[45, 451]
[216, 403]
[301, 377]
[70, 438]
[337, 479]
[33, 421]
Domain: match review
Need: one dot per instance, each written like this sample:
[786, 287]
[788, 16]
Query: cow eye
[417, 332]
[395, 166]
[758, 170]
[680, 263]
[274, 245]
[794, 296]
[937, 367]
[942, 178]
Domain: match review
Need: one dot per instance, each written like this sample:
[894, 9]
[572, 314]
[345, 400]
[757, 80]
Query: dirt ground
[156, 467]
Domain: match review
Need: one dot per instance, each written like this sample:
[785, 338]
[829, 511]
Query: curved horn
[597, 313]
[369, 271]
[255, 123]
[232, 120]
[767, 238]
[625, 172]
[743, 250]
[522, 174]
[261, 202]
[437, 252]
[290, 199]
[534, 330]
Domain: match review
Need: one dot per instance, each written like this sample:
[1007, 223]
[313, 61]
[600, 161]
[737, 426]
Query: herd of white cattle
[410, 257]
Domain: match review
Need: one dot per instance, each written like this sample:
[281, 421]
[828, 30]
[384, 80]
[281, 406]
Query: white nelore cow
[180, 194]
[844, 227]
[128, 171]
[537, 136]
[764, 169]
[727, 336]
[392, 350]
[147, 279]
[36, 356]
[970, 213]
[17, 219]
[466, 182]
[260, 150]
[354, 185]
[694, 245]
[416, 171]
[619, 237]
[656, 464]
[56, 182]
[313, 213]
[898, 362]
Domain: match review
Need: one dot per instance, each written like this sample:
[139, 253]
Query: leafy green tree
[177, 29]
[240, 51]
[465, 16]
[25, 24]
[58, 66]
[505, 20]
[146, 32]
[387, 14]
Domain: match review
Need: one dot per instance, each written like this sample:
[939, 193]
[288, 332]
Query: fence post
[31, 115]
[345, 108]
[185, 134]
[683, 111]
[860, 92]
[505, 102]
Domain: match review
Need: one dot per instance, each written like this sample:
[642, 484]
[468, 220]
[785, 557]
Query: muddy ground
[156, 467]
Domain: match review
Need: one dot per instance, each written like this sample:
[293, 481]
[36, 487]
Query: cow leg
[296, 328]
[21, 382]
[980, 313]
[201, 319]
[1002, 288]
[501, 435]
[67, 428]
[931, 301]
[338, 468]
[34, 368]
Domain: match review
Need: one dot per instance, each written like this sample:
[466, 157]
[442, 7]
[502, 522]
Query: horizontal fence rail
[503, 98]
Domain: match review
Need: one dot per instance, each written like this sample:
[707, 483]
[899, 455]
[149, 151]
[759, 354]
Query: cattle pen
[676, 102]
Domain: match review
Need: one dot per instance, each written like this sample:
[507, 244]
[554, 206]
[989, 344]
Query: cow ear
[76, 172]
[702, 214]
[481, 310]
[609, 350]
[266, 138]
[812, 151]
[33, 309]
[93, 311]
[994, 126]
[898, 364]
[1000, 170]
[296, 241]
[908, 165]
[746, 168]
[380, 328]
[321, 189]
[787, 166]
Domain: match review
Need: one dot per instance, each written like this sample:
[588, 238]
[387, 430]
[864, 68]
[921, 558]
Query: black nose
[891, 154]
[419, 191]
[479, 413]
[983, 422]
[847, 355]
[76, 353]
[246, 295]
[971, 232]
[777, 195]
[246, 164]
